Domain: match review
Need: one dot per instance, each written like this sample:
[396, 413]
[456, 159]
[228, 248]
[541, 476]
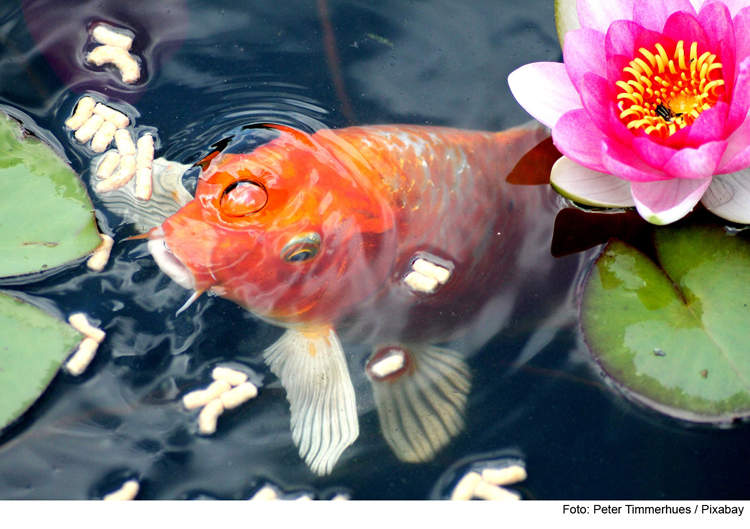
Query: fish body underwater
[398, 238]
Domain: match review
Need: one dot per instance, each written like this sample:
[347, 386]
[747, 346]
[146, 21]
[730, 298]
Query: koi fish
[395, 237]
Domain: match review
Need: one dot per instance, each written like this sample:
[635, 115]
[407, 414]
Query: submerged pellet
[123, 175]
[115, 117]
[234, 377]
[144, 183]
[107, 54]
[83, 356]
[201, 397]
[145, 152]
[127, 492]
[504, 476]
[104, 35]
[86, 131]
[488, 491]
[421, 283]
[464, 490]
[124, 142]
[100, 257]
[84, 110]
[208, 417]
[266, 493]
[103, 137]
[80, 322]
[239, 395]
[108, 165]
[428, 269]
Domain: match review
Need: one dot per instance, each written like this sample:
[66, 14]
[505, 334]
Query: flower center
[666, 95]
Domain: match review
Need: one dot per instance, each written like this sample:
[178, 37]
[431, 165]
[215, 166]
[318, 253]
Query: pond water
[214, 66]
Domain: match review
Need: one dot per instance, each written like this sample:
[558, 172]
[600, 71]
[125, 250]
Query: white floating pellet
[86, 131]
[421, 283]
[504, 476]
[464, 490]
[232, 376]
[144, 183]
[124, 142]
[199, 398]
[108, 165]
[340, 497]
[100, 257]
[239, 395]
[104, 35]
[107, 54]
[145, 154]
[208, 417]
[80, 322]
[127, 492]
[428, 269]
[388, 365]
[304, 497]
[123, 175]
[266, 493]
[84, 110]
[488, 491]
[103, 137]
[82, 357]
[115, 117]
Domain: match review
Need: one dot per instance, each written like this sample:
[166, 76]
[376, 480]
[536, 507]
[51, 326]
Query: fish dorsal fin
[420, 393]
[312, 368]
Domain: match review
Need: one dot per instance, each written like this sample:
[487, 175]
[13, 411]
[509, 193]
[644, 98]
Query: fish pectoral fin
[312, 368]
[420, 394]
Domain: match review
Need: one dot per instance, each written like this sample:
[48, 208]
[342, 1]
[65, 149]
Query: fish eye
[243, 198]
[301, 248]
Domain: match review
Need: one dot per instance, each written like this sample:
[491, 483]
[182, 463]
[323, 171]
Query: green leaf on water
[33, 344]
[46, 216]
[675, 335]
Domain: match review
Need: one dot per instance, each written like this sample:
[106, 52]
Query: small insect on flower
[667, 113]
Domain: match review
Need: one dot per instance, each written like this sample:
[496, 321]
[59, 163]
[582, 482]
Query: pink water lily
[650, 107]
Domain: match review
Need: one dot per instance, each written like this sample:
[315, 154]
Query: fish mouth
[168, 262]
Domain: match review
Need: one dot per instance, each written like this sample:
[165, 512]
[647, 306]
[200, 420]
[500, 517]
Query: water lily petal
[599, 15]
[734, 5]
[742, 33]
[716, 21]
[588, 187]
[584, 53]
[544, 90]
[596, 99]
[625, 163]
[740, 98]
[683, 26]
[668, 201]
[737, 155]
[709, 126]
[696, 163]
[653, 15]
[653, 153]
[728, 196]
[620, 38]
[578, 138]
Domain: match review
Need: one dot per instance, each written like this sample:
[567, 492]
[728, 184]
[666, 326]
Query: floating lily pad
[46, 216]
[674, 334]
[33, 346]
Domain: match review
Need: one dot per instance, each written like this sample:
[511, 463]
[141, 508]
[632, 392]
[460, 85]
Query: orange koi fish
[396, 237]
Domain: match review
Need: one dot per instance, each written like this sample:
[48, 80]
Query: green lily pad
[46, 216]
[33, 346]
[674, 335]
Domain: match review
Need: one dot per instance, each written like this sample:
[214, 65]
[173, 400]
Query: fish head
[286, 231]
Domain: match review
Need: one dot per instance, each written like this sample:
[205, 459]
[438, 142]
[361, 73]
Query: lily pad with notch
[673, 333]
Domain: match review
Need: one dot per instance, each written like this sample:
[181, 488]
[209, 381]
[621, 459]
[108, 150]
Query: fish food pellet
[239, 395]
[145, 152]
[108, 165]
[107, 54]
[504, 476]
[208, 417]
[266, 493]
[464, 490]
[127, 492]
[103, 137]
[421, 283]
[124, 142]
[388, 365]
[488, 491]
[84, 110]
[199, 398]
[100, 257]
[82, 357]
[80, 322]
[428, 269]
[144, 183]
[123, 175]
[104, 35]
[115, 117]
[86, 131]
[232, 376]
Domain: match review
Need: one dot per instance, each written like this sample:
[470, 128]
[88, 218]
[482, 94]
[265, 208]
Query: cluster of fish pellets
[489, 484]
[270, 493]
[102, 124]
[86, 351]
[426, 277]
[114, 49]
[229, 389]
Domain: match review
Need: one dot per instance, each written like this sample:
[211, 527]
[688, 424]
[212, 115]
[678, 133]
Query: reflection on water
[213, 67]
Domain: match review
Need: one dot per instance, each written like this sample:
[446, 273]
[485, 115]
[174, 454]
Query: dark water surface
[214, 66]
